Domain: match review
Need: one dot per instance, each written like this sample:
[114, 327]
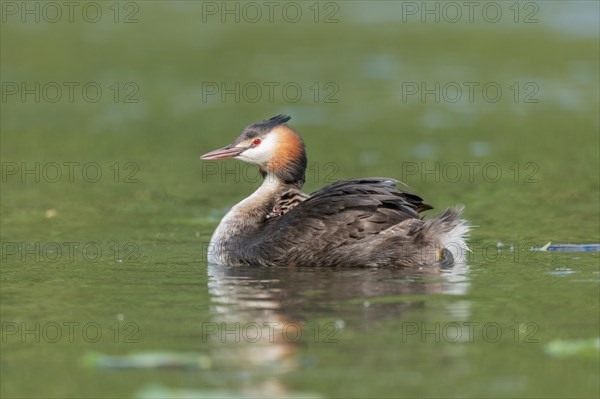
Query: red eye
[256, 141]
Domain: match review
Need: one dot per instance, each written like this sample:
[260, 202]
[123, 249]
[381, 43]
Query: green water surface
[106, 208]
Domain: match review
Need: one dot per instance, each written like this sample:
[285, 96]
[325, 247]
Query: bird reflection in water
[262, 317]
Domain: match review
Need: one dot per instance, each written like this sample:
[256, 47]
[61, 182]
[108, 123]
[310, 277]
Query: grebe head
[273, 146]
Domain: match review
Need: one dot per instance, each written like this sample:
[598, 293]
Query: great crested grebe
[358, 222]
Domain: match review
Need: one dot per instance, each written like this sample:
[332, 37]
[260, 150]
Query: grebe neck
[245, 219]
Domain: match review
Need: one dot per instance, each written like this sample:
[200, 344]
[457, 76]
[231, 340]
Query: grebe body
[366, 222]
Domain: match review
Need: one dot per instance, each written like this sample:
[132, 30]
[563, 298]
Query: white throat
[241, 217]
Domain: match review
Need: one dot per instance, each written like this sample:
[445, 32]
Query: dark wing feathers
[378, 192]
[338, 214]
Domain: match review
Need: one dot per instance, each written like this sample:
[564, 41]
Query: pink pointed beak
[225, 152]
